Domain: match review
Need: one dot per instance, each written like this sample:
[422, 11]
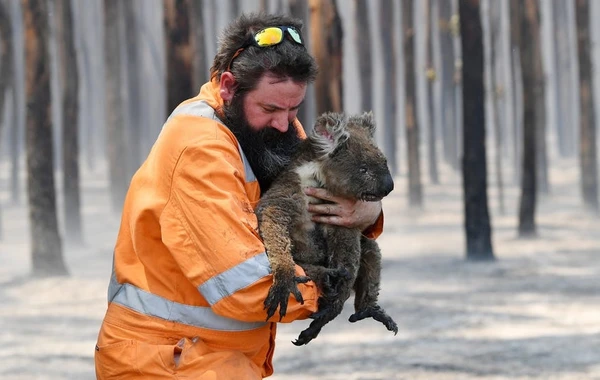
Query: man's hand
[342, 211]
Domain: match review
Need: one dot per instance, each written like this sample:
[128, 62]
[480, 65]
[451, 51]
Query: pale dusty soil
[532, 314]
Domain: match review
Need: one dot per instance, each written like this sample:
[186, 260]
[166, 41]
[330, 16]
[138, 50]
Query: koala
[340, 155]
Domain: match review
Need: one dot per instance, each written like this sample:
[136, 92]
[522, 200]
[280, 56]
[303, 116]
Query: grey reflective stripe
[150, 304]
[236, 278]
[202, 109]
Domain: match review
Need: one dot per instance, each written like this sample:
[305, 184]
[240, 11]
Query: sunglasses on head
[266, 37]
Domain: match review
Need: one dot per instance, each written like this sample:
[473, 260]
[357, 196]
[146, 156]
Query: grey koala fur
[340, 155]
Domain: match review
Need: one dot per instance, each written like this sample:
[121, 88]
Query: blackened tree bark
[299, 9]
[18, 97]
[135, 123]
[199, 69]
[516, 73]
[389, 43]
[362, 36]
[496, 93]
[563, 62]
[588, 154]
[234, 7]
[6, 57]
[263, 5]
[474, 164]
[447, 74]
[431, 74]
[46, 246]
[15, 149]
[542, 179]
[529, 35]
[70, 129]
[6, 68]
[178, 52]
[415, 189]
[326, 41]
[116, 138]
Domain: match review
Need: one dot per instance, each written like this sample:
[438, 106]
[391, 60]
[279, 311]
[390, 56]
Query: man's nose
[280, 122]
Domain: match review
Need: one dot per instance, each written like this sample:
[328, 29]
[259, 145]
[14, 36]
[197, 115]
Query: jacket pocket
[115, 361]
[195, 360]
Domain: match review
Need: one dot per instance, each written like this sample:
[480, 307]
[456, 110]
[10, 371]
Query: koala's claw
[279, 294]
[337, 276]
[310, 333]
[378, 314]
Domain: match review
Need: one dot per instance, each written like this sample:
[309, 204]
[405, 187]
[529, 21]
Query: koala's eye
[363, 169]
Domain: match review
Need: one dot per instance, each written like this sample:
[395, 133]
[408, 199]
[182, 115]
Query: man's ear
[228, 86]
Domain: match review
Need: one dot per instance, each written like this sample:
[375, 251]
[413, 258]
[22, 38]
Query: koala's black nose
[388, 184]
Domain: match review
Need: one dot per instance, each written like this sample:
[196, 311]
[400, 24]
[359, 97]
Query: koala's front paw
[378, 314]
[279, 293]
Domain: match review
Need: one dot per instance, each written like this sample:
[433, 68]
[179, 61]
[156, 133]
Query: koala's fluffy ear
[366, 121]
[329, 132]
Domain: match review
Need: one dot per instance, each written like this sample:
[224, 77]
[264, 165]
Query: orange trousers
[122, 353]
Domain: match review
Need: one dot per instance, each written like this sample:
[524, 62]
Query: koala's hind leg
[344, 249]
[367, 286]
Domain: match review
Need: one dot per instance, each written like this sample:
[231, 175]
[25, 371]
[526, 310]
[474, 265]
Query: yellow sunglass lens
[269, 36]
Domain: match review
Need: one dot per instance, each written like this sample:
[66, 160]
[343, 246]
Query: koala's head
[350, 162]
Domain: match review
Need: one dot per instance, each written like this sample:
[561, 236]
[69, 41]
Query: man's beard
[268, 150]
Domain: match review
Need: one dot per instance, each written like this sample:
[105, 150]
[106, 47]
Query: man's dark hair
[286, 60]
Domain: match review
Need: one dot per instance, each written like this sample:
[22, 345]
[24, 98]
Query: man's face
[261, 120]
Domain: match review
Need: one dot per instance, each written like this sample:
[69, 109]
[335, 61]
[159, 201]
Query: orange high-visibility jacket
[190, 273]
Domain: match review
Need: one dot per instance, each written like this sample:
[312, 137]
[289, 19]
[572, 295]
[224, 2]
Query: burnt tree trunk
[362, 36]
[447, 73]
[474, 164]
[46, 246]
[390, 106]
[263, 5]
[496, 93]
[326, 37]
[15, 149]
[558, 35]
[299, 9]
[542, 181]
[70, 129]
[563, 61]
[588, 154]
[516, 74]
[6, 70]
[6, 57]
[199, 69]
[415, 190]
[529, 37]
[178, 52]
[234, 7]
[17, 126]
[134, 105]
[116, 138]
[431, 78]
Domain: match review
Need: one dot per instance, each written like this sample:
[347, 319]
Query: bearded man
[190, 272]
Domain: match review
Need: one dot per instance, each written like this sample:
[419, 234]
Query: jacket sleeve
[210, 228]
[376, 229]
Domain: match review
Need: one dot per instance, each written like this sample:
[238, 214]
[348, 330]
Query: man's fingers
[319, 193]
[329, 219]
[325, 209]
